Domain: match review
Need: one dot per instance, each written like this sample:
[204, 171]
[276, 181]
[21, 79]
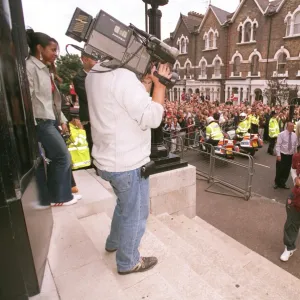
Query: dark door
[25, 228]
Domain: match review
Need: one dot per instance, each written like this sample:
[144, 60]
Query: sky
[53, 17]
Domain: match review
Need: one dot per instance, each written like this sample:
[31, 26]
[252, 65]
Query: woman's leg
[59, 169]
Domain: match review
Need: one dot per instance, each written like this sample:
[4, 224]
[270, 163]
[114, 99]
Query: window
[292, 21]
[188, 70]
[240, 34]
[217, 68]
[206, 42]
[177, 69]
[254, 32]
[288, 26]
[183, 46]
[247, 32]
[281, 63]
[237, 66]
[254, 65]
[210, 40]
[297, 23]
[203, 69]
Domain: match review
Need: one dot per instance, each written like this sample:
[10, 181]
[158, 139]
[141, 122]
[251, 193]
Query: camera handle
[163, 80]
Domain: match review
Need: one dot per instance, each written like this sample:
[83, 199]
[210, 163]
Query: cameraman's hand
[163, 70]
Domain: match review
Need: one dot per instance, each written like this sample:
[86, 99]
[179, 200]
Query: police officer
[273, 132]
[243, 126]
[254, 120]
[213, 132]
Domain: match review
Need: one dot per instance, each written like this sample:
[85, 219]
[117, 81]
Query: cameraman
[122, 115]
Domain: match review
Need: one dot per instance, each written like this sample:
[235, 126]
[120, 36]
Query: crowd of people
[185, 117]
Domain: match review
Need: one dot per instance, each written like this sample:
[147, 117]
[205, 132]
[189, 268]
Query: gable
[242, 4]
[210, 22]
[219, 15]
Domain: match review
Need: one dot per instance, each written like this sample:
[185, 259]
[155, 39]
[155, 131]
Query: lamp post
[158, 150]
[159, 153]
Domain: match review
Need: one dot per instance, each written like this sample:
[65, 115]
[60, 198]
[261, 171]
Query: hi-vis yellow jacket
[78, 147]
[273, 128]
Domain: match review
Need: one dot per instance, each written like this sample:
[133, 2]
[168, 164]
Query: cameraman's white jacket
[121, 115]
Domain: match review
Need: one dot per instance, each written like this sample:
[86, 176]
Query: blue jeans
[59, 170]
[130, 215]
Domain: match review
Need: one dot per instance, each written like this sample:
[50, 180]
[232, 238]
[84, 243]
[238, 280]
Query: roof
[191, 23]
[221, 14]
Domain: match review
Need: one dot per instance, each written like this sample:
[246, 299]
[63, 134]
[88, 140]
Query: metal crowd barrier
[178, 145]
[235, 174]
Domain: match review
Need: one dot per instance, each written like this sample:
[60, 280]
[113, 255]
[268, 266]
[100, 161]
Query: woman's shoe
[71, 202]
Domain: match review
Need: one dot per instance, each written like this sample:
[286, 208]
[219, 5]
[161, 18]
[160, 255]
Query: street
[263, 178]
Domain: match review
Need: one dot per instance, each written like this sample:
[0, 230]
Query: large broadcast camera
[128, 47]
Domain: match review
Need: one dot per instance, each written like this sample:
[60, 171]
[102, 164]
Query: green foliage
[67, 66]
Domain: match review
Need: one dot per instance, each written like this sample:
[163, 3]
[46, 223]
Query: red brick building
[235, 54]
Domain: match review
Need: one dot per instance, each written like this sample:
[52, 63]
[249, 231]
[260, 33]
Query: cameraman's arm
[132, 96]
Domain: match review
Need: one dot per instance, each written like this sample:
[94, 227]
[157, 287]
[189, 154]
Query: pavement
[257, 223]
[234, 172]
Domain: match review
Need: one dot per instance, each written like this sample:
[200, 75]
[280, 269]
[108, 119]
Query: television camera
[128, 47]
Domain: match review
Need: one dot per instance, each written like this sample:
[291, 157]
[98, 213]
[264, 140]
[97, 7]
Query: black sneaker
[145, 264]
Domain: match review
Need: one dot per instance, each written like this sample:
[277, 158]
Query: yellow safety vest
[214, 132]
[273, 128]
[254, 120]
[243, 127]
[78, 147]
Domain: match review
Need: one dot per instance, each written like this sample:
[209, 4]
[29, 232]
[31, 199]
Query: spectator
[285, 148]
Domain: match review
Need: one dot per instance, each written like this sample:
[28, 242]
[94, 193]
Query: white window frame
[183, 40]
[291, 16]
[206, 38]
[242, 26]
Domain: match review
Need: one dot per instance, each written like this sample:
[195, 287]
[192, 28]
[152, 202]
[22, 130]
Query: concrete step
[96, 198]
[148, 285]
[76, 265]
[171, 269]
[200, 261]
[236, 262]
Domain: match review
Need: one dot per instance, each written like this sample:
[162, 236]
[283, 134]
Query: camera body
[128, 46]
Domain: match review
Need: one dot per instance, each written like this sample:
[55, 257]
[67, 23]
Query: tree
[67, 66]
[279, 92]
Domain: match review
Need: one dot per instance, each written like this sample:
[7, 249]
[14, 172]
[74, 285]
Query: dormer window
[297, 23]
[247, 31]
[182, 44]
[210, 39]
[288, 26]
[292, 21]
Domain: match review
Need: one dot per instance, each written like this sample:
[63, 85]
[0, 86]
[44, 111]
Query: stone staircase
[196, 261]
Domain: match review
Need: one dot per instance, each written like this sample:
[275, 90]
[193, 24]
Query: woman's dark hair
[37, 38]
